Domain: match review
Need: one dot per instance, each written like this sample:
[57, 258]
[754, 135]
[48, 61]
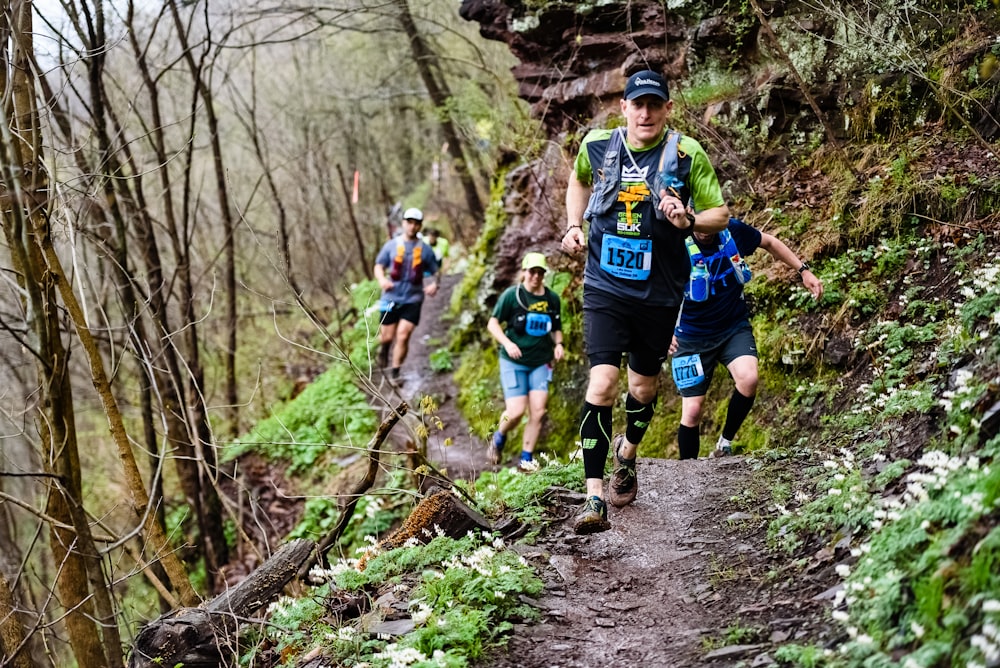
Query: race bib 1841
[687, 371]
[630, 259]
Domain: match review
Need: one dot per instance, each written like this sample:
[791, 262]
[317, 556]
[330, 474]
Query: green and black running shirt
[632, 255]
[512, 308]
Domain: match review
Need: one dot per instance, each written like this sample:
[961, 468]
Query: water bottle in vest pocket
[698, 283]
[740, 269]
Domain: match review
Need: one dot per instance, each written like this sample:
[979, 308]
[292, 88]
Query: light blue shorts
[517, 379]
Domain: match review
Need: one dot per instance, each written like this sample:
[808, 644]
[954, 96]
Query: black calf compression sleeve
[637, 417]
[688, 442]
[739, 408]
[595, 435]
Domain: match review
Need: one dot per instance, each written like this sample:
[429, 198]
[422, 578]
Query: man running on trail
[643, 178]
[714, 327]
[400, 269]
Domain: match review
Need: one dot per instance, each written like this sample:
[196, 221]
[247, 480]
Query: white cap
[413, 213]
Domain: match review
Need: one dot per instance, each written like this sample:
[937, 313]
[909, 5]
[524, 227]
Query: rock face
[576, 57]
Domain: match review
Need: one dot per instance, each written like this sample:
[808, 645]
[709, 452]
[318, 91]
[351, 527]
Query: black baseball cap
[646, 82]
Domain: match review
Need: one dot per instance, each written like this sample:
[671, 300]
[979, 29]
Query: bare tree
[437, 89]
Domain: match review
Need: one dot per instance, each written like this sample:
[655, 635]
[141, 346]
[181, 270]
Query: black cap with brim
[646, 82]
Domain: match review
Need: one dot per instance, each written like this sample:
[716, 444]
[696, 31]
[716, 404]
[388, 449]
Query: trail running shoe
[623, 485]
[593, 517]
[499, 439]
[724, 448]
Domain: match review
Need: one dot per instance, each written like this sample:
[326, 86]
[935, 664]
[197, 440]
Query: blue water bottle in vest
[698, 284]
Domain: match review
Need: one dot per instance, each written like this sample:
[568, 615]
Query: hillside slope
[860, 526]
[866, 141]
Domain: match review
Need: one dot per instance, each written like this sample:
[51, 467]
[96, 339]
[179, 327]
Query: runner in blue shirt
[714, 328]
[401, 267]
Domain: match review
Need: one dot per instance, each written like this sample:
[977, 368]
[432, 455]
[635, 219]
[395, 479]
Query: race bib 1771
[630, 259]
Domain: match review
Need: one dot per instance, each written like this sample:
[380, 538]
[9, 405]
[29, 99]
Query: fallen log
[205, 637]
[439, 513]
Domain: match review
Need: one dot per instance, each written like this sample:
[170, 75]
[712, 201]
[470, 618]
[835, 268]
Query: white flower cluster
[847, 488]
[320, 574]
[419, 611]
[343, 634]
[478, 561]
[401, 657]
[981, 280]
[987, 641]
[940, 467]
[374, 505]
[280, 606]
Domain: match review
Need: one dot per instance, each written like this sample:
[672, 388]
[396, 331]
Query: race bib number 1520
[630, 259]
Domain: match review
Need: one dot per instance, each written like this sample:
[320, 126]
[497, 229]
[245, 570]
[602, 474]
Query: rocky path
[449, 444]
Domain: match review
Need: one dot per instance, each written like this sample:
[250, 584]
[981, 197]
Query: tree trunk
[13, 644]
[228, 222]
[437, 89]
[83, 590]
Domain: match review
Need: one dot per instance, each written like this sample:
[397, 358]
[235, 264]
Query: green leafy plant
[441, 360]
[463, 595]
[330, 413]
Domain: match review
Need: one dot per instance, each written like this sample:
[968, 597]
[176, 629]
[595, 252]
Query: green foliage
[478, 375]
[441, 360]
[511, 493]
[375, 513]
[720, 87]
[907, 590]
[463, 595]
[803, 656]
[330, 414]
[981, 309]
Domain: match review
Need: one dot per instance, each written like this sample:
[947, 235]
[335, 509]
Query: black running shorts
[613, 327]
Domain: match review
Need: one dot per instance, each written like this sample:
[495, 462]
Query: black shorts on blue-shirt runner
[614, 326]
[409, 312]
[736, 342]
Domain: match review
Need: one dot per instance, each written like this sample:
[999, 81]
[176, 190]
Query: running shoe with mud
[593, 517]
[623, 485]
[724, 448]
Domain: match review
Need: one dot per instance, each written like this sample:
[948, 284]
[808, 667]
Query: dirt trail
[643, 593]
[467, 456]
[679, 567]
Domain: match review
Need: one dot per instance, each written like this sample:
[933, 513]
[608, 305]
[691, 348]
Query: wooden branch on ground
[205, 636]
[365, 484]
